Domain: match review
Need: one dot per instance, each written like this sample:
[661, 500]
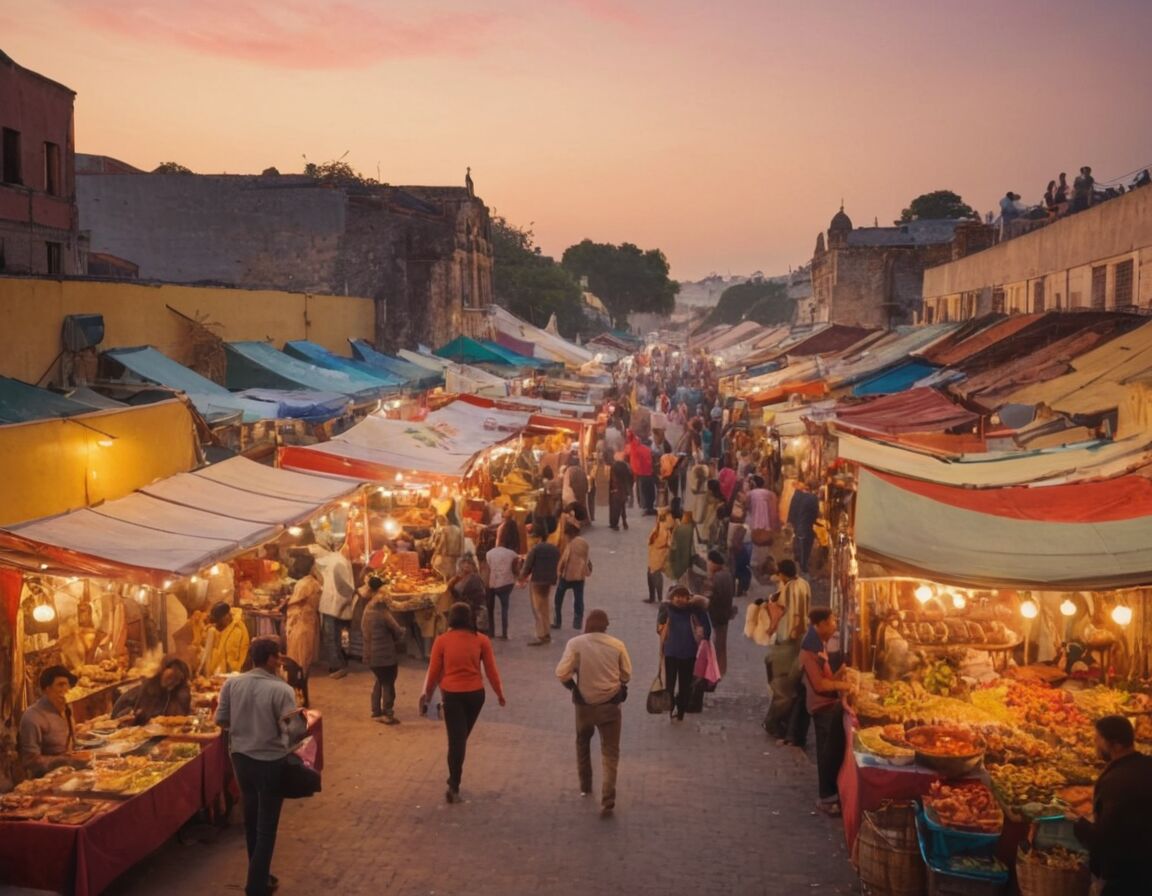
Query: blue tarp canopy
[20, 403]
[257, 365]
[895, 379]
[473, 351]
[212, 400]
[416, 376]
[317, 354]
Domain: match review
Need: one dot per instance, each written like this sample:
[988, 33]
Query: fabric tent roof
[548, 346]
[21, 403]
[414, 374]
[1066, 463]
[898, 378]
[257, 365]
[890, 350]
[477, 351]
[917, 410]
[312, 353]
[942, 536]
[175, 526]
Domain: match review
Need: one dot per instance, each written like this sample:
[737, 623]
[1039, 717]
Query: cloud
[294, 34]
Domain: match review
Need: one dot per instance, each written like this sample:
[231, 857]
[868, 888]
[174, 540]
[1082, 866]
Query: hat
[219, 611]
[50, 674]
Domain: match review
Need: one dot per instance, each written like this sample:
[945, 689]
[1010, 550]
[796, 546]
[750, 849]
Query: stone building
[423, 254]
[38, 229]
[1100, 259]
[872, 276]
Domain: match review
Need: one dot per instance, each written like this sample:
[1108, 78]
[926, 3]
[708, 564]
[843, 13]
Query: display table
[83, 860]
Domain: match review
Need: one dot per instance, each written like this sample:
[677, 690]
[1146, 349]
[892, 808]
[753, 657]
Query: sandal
[832, 810]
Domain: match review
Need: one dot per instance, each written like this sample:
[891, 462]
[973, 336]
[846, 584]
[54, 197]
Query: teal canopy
[21, 403]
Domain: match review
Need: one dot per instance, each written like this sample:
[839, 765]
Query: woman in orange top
[454, 667]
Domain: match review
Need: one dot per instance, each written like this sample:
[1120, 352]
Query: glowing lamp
[1029, 610]
[194, 579]
[167, 584]
[391, 528]
[295, 531]
[399, 477]
[923, 593]
[1068, 608]
[1122, 615]
[214, 570]
[43, 612]
[959, 601]
[104, 443]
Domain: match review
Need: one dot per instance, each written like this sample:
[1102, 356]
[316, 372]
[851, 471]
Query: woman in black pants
[455, 667]
[382, 635]
[682, 623]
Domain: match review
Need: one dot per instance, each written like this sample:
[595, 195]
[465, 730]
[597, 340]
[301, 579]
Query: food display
[964, 807]
[1027, 791]
[193, 727]
[421, 581]
[981, 866]
[886, 749]
[1058, 857]
[52, 809]
[937, 630]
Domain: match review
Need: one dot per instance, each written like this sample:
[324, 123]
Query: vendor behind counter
[167, 693]
[46, 733]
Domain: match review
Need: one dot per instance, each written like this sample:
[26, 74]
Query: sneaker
[503, 637]
[451, 795]
[539, 642]
[578, 626]
[555, 625]
[377, 715]
[339, 673]
[389, 720]
[607, 811]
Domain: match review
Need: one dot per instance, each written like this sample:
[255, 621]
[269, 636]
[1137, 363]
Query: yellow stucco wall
[52, 466]
[32, 310]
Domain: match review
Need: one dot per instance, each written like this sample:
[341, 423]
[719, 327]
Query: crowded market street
[707, 806]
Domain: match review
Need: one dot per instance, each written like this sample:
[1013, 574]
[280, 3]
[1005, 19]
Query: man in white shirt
[337, 597]
[501, 579]
[596, 668]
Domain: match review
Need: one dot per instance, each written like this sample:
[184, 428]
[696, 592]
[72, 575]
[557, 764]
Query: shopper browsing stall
[824, 705]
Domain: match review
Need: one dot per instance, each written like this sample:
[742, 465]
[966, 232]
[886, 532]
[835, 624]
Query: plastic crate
[945, 882]
[946, 843]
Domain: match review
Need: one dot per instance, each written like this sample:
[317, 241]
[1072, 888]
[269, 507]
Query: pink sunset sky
[724, 132]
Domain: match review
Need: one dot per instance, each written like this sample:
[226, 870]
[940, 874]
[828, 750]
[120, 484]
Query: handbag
[706, 667]
[762, 538]
[659, 697]
[298, 779]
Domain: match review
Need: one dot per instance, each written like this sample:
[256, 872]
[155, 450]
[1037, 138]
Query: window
[1099, 287]
[1038, 296]
[997, 301]
[10, 154]
[55, 258]
[52, 169]
[465, 285]
[1122, 291]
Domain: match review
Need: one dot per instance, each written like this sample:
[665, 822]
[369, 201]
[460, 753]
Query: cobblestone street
[708, 806]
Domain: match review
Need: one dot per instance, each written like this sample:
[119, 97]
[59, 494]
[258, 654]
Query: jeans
[607, 719]
[461, 710]
[384, 690]
[829, 725]
[260, 786]
[540, 594]
[656, 585]
[498, 594]
[331, 628]
[577, 587]
[678, 675]
[646, 488]
[802, 547]
[617, 509]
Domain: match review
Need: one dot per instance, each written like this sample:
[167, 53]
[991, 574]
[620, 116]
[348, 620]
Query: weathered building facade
[1100, 258]
[423, 254]
[873, 276]
[38, 223]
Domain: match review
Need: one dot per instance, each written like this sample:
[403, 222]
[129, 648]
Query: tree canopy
[337, 171]
[531, 285]
[625, 277]
[171, 168]
[763, 301]
[938, 204]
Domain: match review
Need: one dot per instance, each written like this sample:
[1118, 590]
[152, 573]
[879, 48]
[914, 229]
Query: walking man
[791, 603]
[575, 567]
[541, 568]
[619, 489]
[596, 668]
[258, 710]
[720, 606]
[803, 511]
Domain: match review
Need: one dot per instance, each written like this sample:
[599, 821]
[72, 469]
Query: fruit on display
[966, 807]
[1079, 799]
[981, 865]
[945, 740]
[1056, 857]
[940, 679]
[1042, 706]
[1013, 745]
[874, 742]
[1027, 790]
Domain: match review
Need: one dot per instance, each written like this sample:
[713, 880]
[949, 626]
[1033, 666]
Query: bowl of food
[951, 750]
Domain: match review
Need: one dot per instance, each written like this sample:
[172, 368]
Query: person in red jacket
[455, 667]
[640, 458]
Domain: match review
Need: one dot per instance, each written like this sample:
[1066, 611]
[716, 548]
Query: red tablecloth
[85, 859]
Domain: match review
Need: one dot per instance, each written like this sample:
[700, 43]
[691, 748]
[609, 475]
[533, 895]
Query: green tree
[339, 172]
[625, 277]
[938, 204]
[763, 301]
[171, 168]
[533, 286]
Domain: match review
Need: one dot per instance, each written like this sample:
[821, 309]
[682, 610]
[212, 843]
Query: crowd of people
[1061, 198]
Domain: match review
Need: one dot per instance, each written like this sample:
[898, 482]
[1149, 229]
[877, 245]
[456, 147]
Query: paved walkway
[707, 806]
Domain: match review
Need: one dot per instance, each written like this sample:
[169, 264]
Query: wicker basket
[1035, 879]
[942, 884]
[888, 855]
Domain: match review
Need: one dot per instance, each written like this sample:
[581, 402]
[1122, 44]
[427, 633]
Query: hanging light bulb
[141, 595]
[167, 584]
[194, 579]
[959, 601]
[1029, 610]
[399, 477]
[295, 531]
[1122, 615]
[391, 527]
[1068, 608]
[43, 612]
[923, 592]
[214, 570]
[43, 566]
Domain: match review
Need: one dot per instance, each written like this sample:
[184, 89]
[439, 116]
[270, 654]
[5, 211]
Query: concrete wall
[1062, 255]
[40, 111]
[31, 312]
